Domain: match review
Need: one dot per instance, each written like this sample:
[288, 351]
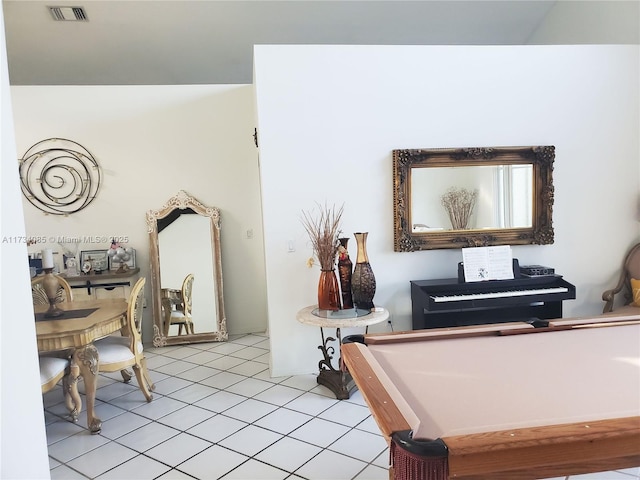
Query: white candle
[47, 258]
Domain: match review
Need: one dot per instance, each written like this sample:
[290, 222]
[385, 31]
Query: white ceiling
[211, 42]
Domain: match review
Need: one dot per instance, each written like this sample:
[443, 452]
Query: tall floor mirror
[186, 272]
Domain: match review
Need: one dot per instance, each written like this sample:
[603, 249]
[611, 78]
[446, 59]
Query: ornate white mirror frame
[180, 204]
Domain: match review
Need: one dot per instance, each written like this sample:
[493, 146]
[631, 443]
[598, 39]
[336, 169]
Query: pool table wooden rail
[549, 451]
[514, 454]
[384, 410]
[447, 332]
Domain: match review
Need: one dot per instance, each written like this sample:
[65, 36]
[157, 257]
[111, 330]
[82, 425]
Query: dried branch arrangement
[324, 230]
[459, 204]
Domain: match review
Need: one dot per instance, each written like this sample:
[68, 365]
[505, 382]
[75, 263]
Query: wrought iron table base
[338, 380]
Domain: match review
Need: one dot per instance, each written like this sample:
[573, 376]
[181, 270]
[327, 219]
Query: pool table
[505, 401]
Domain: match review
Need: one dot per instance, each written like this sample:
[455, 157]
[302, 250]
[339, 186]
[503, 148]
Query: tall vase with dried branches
[324, 230]
[459, 204]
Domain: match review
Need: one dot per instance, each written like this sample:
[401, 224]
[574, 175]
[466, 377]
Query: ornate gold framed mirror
[503, 194]
[186, 272]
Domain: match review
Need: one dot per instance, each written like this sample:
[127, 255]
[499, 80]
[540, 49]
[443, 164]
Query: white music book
[487, 263]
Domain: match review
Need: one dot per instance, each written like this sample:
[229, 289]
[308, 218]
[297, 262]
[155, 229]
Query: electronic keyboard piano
[452, 303]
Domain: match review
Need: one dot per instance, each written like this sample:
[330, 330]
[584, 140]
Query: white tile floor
[216, 414]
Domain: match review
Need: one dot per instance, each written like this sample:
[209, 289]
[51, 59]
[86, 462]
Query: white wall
[329, 117]
[151, 142]
[23, 443]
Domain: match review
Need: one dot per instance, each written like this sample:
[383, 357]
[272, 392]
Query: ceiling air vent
[74, 14]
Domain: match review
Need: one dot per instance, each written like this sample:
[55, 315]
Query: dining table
[72, 334]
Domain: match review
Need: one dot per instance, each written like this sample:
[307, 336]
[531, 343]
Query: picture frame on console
[98, 259]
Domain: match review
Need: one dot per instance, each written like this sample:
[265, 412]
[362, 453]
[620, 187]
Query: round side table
[338, 380]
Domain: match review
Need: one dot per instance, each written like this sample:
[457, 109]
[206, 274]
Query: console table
[338, 380]
[104, 285]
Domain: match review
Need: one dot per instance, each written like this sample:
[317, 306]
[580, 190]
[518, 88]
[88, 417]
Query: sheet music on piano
[487, 263]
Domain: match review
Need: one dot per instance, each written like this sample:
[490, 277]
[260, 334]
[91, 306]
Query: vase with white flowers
[323, 228]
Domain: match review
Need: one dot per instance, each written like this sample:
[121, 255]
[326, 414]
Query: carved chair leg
[142, 383]
[145, 374]
[166, 315]
[127, 375]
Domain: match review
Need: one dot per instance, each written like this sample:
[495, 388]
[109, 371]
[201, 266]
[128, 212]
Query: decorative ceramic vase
[50, 285]
[328, 291]
[363, 281]
[345, 271]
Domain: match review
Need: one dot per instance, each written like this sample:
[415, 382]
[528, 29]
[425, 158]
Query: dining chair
[116, 353]
[52, 370]
[64, 294]
[181, 316]
[39, 296]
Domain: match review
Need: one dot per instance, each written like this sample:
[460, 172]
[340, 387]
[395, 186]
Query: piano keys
[451, 303]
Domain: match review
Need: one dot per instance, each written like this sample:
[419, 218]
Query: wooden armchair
[630, 270]
[40, 297]
[116, 353]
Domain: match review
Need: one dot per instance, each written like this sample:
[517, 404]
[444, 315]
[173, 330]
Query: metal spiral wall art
[59, 176]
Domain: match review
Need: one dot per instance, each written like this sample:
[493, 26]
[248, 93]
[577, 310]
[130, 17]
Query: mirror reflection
[176, 307]
[472, 197]
[186, 272]
[502, 197]
[185, 248]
